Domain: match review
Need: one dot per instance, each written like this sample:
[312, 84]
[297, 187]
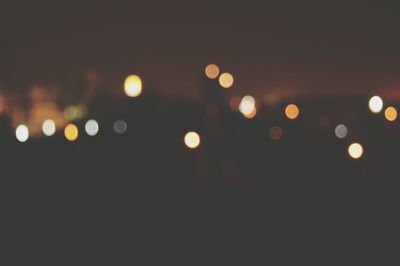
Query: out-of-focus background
[226, 116]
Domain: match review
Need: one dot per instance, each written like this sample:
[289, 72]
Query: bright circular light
[71, 132]
[120, 126]
[49, 127]
[22, 133]
[92, 127]
[292, 111]
[192, 140]
[247, 105]
[376, 104]
[212, 71]
[391, 114]
[355, 150]
[276, 133]
[226, 80]
[341, 131]
[133, 86]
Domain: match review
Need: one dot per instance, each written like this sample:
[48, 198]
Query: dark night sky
[318, 46]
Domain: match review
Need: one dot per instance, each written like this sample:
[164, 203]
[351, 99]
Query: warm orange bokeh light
[226, 80]
[292, 111]
[252, 114]
[71, 132]
[212, 71]
[391, 114]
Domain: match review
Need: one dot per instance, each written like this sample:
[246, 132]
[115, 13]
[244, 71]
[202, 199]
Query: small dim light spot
[341, 131]
[133, 86]
[376, 104]
[252, 114]
[71, 132]
[192, 140]
[92, 127]
[391, 114]
[226, 80]
[355, 150]
[292, 111]
[49, 127]
[22, 133]
[120, 126]
[234, 103]
[247, 105]
[275, 133]
[212, 71]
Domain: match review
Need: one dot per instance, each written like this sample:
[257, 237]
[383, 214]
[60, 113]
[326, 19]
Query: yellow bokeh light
[356, 150]
[226, 80]
[292, 111]
[391, 114]
[71, 132]
[133, 86]
[212, 71]
[192, 140]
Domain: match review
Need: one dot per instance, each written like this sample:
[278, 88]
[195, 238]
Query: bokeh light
[226, 80]
[356, 150]
[71, 132]
[234, 103]
[192, 140]
[292, 111]
[391, 114]
[247, 105]
[49, 127]
[341, 131]
[22, 133]
[120, 126]
[375, 104]
[275, 133]
[92, 127]
[133, 86]
[252, 114]
[212, 71]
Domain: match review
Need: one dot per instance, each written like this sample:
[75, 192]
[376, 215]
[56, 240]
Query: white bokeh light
[22, 133]
[247, 105]
[376, 104]
[92, 127]
[120, 126]
[341, 131]
[49, 127]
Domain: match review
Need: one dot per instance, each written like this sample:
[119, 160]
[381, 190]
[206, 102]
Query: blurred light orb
[391, 114]
[212, 71]
[120, 126]
[226, 80]
[275, 133]
[356, 150]
[247, 105]
[375, 104]
[234, 103]
[133, 86]
[252, 114]
[49, 127]
[71, 132]
[22, 133]
[292, 111]
[92, 127]
[341, 131]
[192, 140]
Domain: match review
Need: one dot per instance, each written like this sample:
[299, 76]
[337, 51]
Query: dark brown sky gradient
[318, 46]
